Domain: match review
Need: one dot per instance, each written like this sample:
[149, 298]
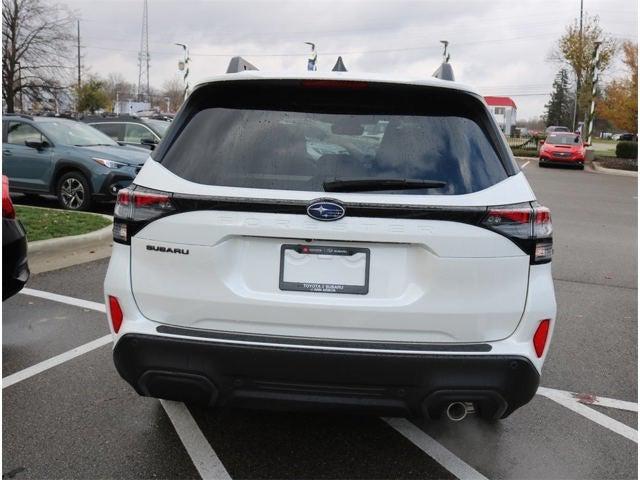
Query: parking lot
[67, 414]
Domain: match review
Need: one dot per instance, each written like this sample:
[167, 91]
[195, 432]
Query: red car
[562, 148]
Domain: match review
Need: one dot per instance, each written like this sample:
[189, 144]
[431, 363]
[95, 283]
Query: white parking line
[435, 450]
[98, 307]
[54, 361]
[525, 164]
[197, 446]
[593, 415]
[202, 455]
[590, 399]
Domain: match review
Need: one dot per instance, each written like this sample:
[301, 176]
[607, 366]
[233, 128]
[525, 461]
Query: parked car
[77, 163]
[627, 137]
[129, 130]
[563, 148]
[15, 268]
[408, 273]
[555, 128]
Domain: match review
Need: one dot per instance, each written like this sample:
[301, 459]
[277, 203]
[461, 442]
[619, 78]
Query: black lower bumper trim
[322, 342]
[221, 374]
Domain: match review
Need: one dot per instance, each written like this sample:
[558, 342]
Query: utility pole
[575, 100]
[79, 74]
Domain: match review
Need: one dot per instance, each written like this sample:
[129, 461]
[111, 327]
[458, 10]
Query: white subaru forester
[332, 241]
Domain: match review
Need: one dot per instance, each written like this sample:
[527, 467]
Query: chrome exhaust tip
[458, 411]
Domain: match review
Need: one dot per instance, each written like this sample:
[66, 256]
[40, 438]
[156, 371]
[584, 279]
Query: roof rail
[339, 66]
[445, 71]
[239, 64]
[22, 115]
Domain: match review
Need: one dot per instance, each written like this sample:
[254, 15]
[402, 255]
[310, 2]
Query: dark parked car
[627, 137]
[76, 162]
[15, 270]
[129, 130]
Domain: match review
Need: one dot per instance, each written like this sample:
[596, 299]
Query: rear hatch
[337, 210]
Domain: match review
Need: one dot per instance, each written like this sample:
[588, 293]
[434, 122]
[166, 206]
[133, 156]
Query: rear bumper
[225, 374]
[15, 269]
[563, 160]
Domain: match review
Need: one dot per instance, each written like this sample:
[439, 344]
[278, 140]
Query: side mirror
[36, 145]
[149, 142]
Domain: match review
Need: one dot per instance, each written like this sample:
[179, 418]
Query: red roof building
[500, 102]
[503, 110]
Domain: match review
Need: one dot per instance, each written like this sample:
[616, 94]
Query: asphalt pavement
[67, 414]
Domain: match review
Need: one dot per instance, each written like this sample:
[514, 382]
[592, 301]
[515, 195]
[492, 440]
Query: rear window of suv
[297, 136]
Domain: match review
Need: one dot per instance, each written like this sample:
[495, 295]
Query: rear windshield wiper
[372, 184]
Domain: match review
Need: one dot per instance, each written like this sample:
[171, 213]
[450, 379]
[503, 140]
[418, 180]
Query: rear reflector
[540, 337]
[116, 313]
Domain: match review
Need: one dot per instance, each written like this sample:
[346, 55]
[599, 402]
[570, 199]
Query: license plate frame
[324, 287]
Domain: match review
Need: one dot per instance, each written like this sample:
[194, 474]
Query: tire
[73, 192]
[541, 164]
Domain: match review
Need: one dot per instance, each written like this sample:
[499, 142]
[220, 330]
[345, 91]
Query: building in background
[503, 110]
[130, 107]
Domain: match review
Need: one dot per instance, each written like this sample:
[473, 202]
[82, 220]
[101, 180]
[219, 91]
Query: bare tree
[36, 54]
[173, 89]
[118, 89]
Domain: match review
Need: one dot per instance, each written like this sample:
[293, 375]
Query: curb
[612, 171]
[60, 245]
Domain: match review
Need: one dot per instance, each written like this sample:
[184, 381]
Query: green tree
[575, 50]
[92, 96]
[559, 110]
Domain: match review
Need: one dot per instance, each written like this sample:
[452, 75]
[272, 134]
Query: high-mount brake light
[337, 84]
[7, 206]
[528, 226]
[136, 207]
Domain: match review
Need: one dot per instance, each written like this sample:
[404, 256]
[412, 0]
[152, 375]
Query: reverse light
[116, 313]
[7, 206]
[540, 337]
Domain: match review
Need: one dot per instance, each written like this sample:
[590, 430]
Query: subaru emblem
[325, 210]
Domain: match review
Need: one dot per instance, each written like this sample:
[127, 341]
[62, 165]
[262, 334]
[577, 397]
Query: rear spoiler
[239, 64]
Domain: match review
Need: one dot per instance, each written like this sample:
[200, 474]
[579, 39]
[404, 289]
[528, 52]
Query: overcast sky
[501, 46]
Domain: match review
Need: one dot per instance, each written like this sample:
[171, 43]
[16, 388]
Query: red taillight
[7, 206]
[529, 227]
[540, 337]
[116, 313]
[135, 207]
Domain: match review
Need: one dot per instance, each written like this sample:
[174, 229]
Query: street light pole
[20, 83]
[184, 66]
